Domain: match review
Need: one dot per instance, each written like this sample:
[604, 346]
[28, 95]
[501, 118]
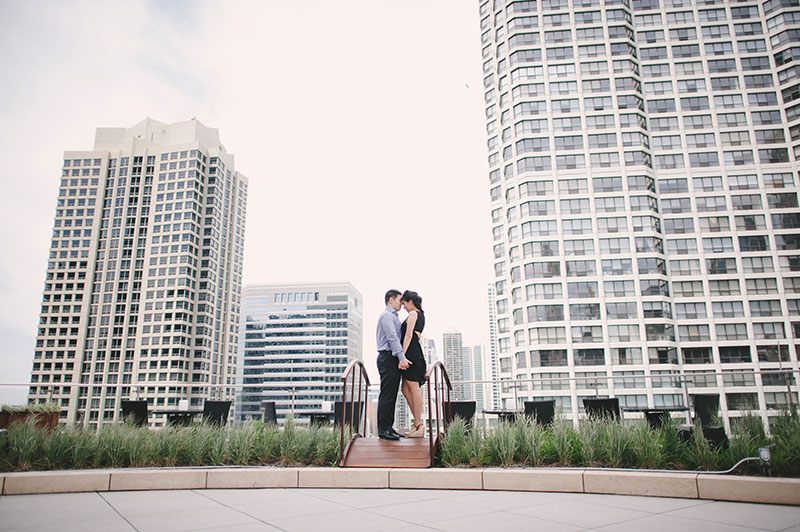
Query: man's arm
[391, 335]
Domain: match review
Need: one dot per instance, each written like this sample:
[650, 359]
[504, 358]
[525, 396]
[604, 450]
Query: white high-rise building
[466, 365]
[644, 174]
[473, 371]
[143, 283]
[296, 341]
[453, 360]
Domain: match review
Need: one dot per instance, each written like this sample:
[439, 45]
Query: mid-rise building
[143, 284]
[643, 178]
[295, 343]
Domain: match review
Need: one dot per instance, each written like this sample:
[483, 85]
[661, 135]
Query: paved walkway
[353, 510]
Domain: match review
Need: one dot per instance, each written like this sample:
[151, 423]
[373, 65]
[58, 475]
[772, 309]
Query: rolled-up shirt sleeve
[389, 330]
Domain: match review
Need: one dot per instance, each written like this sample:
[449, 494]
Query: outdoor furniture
[655, 418]
[602, 407]
[136, 410]
[716, 437]
[319, 418]
[540, 411]
[268, 413]
[505, 416]
[216, 412]
[685, 433]
[706, 407]
[178, 418]
[463, 409]
[353, 410]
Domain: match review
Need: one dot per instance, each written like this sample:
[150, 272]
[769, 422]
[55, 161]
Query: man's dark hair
[389, 295]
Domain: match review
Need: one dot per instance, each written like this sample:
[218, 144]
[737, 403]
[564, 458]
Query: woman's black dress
[416, 371]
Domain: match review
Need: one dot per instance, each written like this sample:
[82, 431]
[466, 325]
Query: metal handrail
[363, 390]
[436, 385]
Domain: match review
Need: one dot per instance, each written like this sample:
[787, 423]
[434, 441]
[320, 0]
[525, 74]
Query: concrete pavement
[318, 510]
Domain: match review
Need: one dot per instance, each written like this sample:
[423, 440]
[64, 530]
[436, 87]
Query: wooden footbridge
[362, 451]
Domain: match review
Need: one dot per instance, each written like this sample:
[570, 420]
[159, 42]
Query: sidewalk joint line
[116, 511]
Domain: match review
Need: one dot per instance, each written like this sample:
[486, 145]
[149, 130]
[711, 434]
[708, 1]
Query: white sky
[359, 124]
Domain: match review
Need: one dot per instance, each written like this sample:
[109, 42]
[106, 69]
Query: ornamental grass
[622, 444]
[26, 448]
[594, 443]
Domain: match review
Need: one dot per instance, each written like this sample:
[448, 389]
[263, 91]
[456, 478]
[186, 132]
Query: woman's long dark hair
[412, 296]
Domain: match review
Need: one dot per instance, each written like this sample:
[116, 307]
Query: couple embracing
[400, 358]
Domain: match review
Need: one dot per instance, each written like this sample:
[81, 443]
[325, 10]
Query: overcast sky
[359, 124]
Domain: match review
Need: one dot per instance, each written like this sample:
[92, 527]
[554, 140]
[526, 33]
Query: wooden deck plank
[388, 463]
[374, 452]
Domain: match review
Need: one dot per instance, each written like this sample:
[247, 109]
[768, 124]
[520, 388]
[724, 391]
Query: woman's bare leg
[416, 402]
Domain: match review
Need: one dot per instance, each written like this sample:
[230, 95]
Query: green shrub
[699, 454]
[326, 447]
[786, 453]
[501, 445]
[455, 448]
[530, 443]
[591, 433]
[673, 447]
[46, 407]
[476, 448]
[604, 443]
[647, 446]
[25, 446]
[565, 442]
[267, 443]
[617, 443]
[242, 445]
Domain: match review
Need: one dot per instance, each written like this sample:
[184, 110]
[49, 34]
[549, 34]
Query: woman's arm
[412, 319]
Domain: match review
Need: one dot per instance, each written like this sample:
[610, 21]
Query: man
[391, 360]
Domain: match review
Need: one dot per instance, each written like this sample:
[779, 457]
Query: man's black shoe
[388, 435]
[397, 433]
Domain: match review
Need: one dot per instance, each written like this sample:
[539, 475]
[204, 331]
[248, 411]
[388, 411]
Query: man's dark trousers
[390, 384]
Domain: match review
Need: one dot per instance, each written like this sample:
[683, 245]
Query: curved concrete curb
[644, 483]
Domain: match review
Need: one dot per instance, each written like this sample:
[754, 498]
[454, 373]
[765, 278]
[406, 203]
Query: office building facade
[643, 177]
[143, 284]
[295, 343]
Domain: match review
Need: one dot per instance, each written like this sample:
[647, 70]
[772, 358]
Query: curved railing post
[363, 393]
[438, 385]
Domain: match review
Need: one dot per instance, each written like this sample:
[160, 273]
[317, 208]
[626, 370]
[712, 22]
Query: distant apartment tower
[474, 371]
[296, 341]
[643, 168]
[143, 282]
[453, 360]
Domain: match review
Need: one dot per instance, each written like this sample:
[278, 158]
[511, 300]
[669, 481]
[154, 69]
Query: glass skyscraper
[643, 179]
[143, 284]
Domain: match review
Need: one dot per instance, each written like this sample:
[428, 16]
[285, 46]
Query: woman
[414, 376]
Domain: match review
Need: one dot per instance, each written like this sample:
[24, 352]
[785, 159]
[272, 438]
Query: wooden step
[375, 452]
